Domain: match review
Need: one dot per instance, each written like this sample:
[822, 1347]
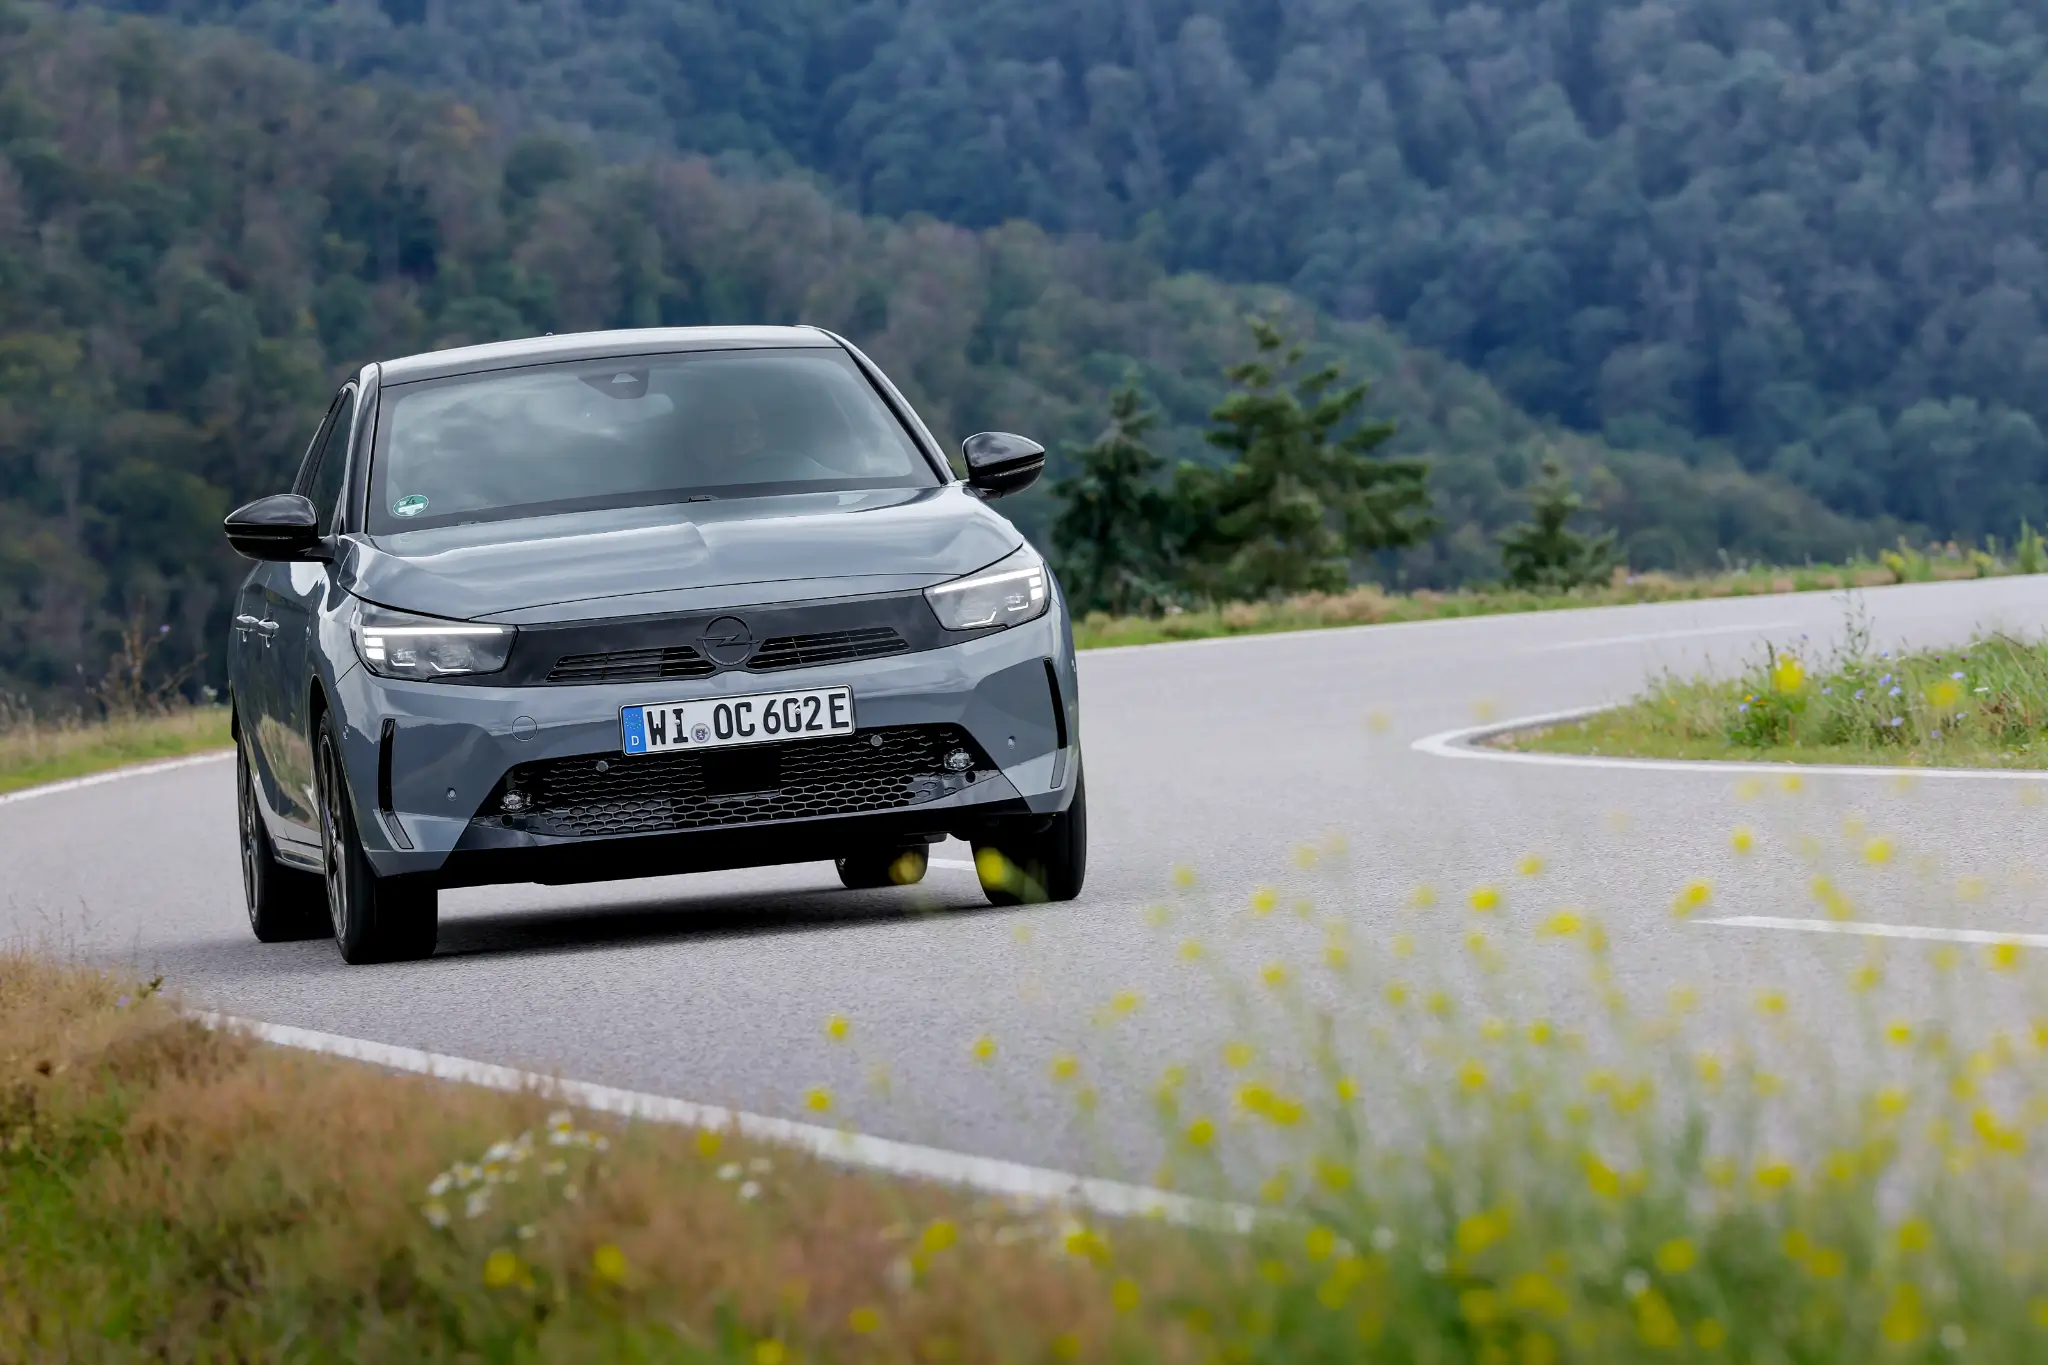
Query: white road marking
[960, 864]
[1465, 742]
[1649, 637]
[1870, 930]
[1006, 1178]
[114, 775]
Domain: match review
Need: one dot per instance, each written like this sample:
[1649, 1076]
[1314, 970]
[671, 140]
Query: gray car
[623, 604]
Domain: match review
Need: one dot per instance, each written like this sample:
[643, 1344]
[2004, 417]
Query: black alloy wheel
[284, 903]
[1031, 861]
[375, 919]
[903, 866]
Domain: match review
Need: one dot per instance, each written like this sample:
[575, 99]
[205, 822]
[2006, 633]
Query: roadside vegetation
[1453, 1166]
[1368, 605]
[1984, 705]
[35, 750]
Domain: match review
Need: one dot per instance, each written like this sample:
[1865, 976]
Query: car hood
[641, 560]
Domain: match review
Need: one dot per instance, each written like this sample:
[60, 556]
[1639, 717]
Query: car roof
[505, 355]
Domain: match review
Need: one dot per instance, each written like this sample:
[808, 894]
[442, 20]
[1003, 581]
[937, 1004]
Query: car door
[291, 595]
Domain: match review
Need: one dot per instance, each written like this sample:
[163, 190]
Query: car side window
[330, 462]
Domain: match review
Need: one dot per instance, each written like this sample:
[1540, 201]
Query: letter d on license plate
[765, 718]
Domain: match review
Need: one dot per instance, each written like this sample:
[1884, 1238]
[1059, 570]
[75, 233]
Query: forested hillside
[198, 237]
[1812, 230]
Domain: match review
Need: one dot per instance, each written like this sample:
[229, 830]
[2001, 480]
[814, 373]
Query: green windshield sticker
[411, 505]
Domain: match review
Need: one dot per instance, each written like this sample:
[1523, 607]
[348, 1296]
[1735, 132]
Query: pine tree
[1545, 552]
[1298, 502]
[1112, 537]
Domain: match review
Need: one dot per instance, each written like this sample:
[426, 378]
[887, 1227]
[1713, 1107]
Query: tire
[1036, 861]
[284, 903]
[890, 867]
[375, 919]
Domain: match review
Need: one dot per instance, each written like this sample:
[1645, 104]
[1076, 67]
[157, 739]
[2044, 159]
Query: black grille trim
[632, 665]
[608, 795]
[826, 647]
[652, 648]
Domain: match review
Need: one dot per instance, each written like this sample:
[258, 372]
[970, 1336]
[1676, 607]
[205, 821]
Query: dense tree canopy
[1810, 230]
[198, 237]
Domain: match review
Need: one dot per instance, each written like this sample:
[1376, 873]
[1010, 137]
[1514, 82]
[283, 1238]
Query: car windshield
[633, 432]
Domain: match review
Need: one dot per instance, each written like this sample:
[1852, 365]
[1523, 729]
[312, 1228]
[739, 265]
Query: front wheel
[283, 903]
[376, 919]
[1040, 860]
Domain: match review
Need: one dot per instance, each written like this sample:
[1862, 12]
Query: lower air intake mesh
[874, 770]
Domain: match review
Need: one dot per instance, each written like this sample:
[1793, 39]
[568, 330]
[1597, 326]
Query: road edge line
[1469, 742]
[989, 1175]
[72, 784]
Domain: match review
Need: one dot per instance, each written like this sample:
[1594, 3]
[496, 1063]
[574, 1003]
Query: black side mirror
[280, 528]
[1000, 463]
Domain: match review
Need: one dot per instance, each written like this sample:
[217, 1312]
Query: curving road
[1216, 756]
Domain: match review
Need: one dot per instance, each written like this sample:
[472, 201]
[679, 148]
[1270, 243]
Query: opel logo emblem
[727, 641]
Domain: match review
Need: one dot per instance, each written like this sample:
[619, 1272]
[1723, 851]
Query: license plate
[764, 718]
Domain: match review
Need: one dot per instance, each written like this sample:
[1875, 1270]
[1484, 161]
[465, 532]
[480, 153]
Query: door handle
[255, 623]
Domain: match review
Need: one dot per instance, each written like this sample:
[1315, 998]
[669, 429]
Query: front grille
[826, 647]
[632, 665]
[874, 770]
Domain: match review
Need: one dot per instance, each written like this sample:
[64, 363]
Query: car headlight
[397, 644]
[1007, 593]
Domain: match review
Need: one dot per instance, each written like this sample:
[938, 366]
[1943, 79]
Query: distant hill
[198, 236]
[1809, 231]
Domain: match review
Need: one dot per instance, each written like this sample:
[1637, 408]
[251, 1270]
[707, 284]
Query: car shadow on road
[681, 918]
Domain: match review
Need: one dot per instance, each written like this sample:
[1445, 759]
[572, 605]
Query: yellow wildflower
[1904, 1319]
[836, 1028]
[1264, 899]
[864, 1321]
[1065, 1067]
[984, 1049]
[501, 1268]
[1485, 898]
[608, 1263]
[1742, 839]
[1676, 1257]
[2004, 957]
[1531, 865]
[818, 1098]
[1124, 1295]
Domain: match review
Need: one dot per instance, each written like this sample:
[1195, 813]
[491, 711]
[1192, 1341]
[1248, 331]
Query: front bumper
[426, 762]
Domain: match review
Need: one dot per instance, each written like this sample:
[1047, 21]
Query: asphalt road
[1216, 757]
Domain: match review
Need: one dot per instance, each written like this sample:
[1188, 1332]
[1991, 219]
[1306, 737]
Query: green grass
[1370, 605]
[33, 752]
[1984, 705]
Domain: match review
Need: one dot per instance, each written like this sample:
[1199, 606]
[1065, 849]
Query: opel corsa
[632, 603]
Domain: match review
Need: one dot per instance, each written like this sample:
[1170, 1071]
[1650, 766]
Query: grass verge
[1981, 706]
[1368, 605]
[35, 751]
